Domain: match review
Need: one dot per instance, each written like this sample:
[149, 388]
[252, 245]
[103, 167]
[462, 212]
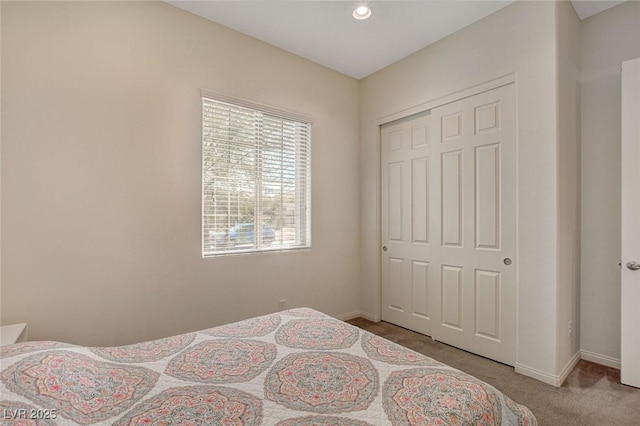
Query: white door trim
[456, 96]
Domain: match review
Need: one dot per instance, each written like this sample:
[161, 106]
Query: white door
[475, 299]
[449, 224]
[405, 224]
[630, 273]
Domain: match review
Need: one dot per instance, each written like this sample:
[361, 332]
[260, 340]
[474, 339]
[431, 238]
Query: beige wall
[568, 45]
[101, 160]
[607, 39]
[521, 39]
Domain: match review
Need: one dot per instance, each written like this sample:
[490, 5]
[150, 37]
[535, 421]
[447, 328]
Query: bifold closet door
[449, 223]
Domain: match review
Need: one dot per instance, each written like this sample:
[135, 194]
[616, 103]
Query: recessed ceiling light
[362, 12]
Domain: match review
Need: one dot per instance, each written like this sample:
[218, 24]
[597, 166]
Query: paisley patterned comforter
[297, 367]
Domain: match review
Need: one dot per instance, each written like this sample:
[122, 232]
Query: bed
[296, 367]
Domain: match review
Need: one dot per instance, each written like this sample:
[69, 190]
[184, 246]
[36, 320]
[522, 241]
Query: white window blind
[256, 179]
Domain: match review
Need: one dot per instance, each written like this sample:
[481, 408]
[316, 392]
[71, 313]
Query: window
[255, 178]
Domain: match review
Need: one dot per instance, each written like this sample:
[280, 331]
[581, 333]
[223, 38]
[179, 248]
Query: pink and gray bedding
[293, 368]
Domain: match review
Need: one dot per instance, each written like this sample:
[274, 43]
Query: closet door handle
[633, 265]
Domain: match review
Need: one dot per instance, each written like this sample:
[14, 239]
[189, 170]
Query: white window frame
[303, 183]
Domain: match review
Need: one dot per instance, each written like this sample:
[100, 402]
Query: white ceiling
[326, 33]
[586, 8]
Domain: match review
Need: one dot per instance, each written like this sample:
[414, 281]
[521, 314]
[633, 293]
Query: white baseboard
[540, 375]
[559, 379]
[550, 379]
[569, 367]
[600, 359]
[349, 316]
[370, 317]
[357, 314]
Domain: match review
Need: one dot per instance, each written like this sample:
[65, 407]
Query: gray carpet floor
[591, 395]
